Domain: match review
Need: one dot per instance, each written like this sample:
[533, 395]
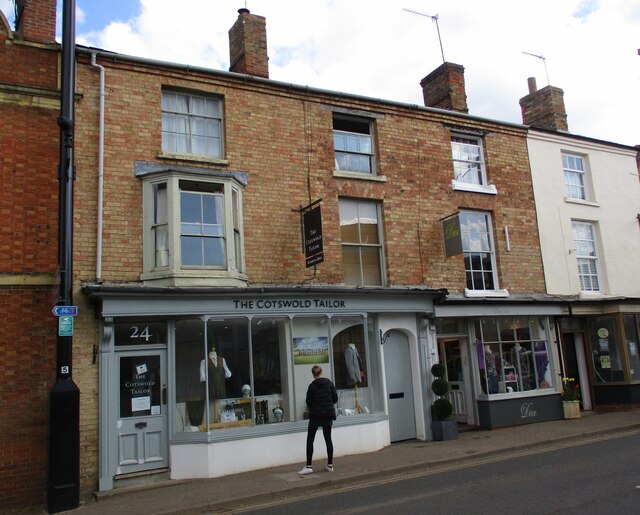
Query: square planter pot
[444, 430]
[571, 409]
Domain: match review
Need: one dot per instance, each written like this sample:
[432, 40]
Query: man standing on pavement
[321, 398]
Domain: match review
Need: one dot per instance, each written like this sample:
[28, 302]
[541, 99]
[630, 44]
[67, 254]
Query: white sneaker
[329, 468]
[305, 470]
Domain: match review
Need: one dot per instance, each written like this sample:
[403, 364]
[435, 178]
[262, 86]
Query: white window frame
[356, 138]
[363, 244]
[162, 255]
[586, 251]
[479, 240]
[476, 182]
[575, 176]
[193, 125]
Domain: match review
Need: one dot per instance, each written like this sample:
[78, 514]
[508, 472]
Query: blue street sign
[65, 311]
[65, 326]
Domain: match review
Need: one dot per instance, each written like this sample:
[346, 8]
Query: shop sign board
[313, 247]
[452, 236]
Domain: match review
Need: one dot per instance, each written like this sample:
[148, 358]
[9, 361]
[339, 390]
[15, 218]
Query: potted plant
[442, 428]
[570, 397]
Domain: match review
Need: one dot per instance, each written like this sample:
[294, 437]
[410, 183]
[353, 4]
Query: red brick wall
[37, 20]
[29, 107]
[27, 374]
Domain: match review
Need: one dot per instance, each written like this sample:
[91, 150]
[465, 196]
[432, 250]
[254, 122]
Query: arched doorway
[397, 364]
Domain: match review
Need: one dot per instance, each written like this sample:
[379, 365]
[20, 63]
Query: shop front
[205, 383]
[501, 362]
[600, 344]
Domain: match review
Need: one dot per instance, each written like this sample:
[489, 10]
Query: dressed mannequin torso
[217, 373]
[354, 365]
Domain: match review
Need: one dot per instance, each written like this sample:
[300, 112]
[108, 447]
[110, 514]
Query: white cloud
[375, 48]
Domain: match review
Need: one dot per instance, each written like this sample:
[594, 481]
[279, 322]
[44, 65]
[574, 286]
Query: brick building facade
[187, 241]
[29, 107]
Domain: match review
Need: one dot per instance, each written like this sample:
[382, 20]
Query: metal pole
[64, 434]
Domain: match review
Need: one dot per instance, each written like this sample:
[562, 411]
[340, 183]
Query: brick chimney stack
[444, 88]
[544, 108]
[36, 20]
[248, 45]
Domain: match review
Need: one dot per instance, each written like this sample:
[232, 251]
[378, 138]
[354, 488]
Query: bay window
[193, 228]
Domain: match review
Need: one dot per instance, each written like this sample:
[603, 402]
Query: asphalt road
[594, 476]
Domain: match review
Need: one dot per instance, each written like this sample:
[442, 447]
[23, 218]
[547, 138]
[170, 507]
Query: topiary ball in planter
[440, 387]
[441, 409]
[438, 370]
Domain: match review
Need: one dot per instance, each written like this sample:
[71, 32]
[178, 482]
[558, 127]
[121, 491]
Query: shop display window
[350, 365]
[606, 351]
[236, 372]
[513, 355]
[631, 337]
[309, 346]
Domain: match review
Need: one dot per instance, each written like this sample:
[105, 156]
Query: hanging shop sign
[312, 234]
[452, 235]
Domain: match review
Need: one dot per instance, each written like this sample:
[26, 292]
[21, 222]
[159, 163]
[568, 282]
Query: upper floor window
[353, 145]
[574, 176]
[193, 229]
[361, 242]
[479, 251]
[468, 165]
[191, 124]
[584, 239]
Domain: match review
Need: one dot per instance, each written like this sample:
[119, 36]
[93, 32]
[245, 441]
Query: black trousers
[314, 424]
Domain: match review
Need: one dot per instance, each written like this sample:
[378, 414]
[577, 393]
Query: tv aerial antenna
[544, 62]
[433, 18]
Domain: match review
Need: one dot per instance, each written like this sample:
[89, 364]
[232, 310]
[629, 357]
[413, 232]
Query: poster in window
[310, 350]
[605, 361]
[140, 392]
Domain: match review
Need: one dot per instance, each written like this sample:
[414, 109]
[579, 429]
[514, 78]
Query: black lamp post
[64, 430]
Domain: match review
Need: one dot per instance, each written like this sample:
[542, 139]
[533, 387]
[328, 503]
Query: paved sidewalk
[222, 495]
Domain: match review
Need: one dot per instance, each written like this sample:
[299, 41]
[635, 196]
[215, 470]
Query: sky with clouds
[376, 48]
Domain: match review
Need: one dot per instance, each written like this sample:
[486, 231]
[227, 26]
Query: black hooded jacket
[321, 396]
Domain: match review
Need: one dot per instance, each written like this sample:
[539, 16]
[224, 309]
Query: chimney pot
[545, 109]
[444, 88]
[533, 87]
[36, 20]
[248, 45]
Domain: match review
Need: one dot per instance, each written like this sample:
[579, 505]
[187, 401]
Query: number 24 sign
[140, 332]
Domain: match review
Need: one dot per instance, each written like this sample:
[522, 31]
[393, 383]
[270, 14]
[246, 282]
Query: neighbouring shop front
[205, 383]
[502, 361]
[601, 351]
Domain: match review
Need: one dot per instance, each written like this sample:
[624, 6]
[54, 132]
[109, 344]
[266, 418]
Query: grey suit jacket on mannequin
[354, 365]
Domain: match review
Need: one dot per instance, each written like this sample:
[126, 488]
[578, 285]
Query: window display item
[218, 371]
[354, 365]
[246, 390]
[278, 413]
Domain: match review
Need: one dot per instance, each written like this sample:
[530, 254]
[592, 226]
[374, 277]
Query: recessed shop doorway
[397, 364]
[455, 358]
[139, 390]
[575, 365]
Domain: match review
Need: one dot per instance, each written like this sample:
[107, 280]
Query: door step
[141, 478]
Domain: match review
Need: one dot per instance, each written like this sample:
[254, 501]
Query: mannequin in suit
[354, 365]
[218, 372]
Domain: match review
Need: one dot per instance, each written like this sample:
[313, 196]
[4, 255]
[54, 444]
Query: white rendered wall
[218, 459]
[613, 207]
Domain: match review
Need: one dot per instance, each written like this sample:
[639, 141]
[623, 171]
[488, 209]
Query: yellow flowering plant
[570, 389]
